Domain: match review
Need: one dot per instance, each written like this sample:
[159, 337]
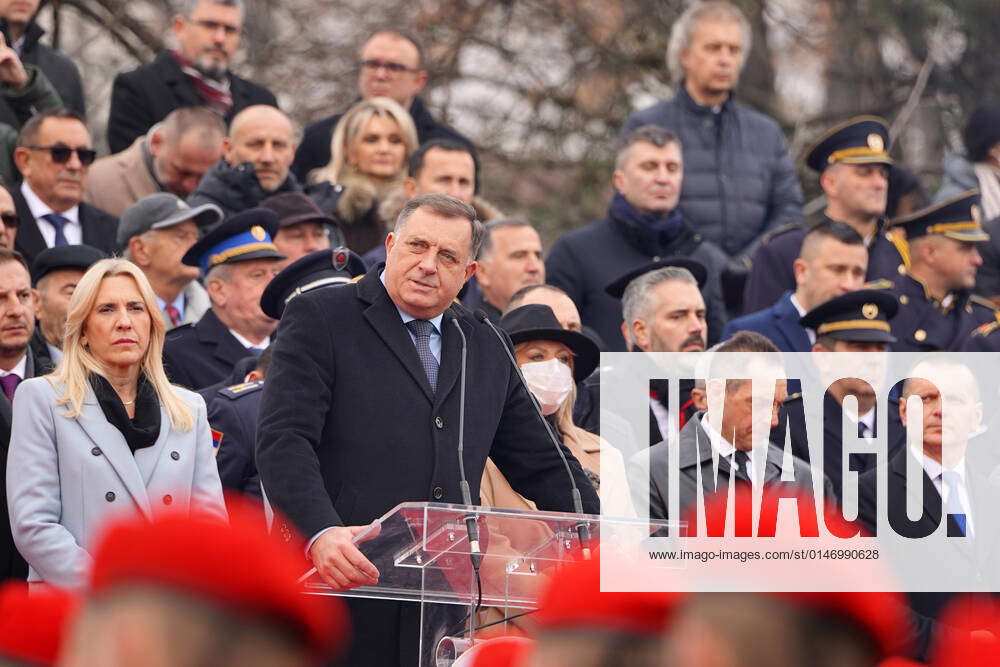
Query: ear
[699, 398]
[255, 375]
[217, 291]
[156, 142]
[36, 300]
[470, 270]
[178, 25]
[618, 180]
[483, 277]
[227, 150]
[410, 187]
[640, 333]
[421, 80]
[827, 180]
[799, 268]
[902, 410]
[390, 243]
[137, 250]
[22, 158]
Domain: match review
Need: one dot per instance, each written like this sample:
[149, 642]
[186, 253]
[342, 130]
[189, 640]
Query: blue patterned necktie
[421, 329]
[58, 222]
[952, 481]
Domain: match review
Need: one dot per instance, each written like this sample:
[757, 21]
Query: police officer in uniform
[853, 168]
[937, 310]
[237, 260]
[232, 411]
[854, 322]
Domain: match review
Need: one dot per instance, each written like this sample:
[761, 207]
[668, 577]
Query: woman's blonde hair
[353, 123]
[78, 362]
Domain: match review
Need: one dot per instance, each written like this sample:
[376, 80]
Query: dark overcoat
[100, 229]
[201, 354]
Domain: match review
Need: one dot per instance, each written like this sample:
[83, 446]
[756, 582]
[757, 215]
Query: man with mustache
[196, 73]
[644, 224]
[53, 153]
[17, 362]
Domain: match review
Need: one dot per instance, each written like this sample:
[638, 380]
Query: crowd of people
[218, 317]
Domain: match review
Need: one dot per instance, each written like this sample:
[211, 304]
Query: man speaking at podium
[361, 411]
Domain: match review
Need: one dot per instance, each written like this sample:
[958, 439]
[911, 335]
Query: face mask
[550, 381]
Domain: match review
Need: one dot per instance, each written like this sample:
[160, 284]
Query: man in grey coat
[739, 179]
[713, 451]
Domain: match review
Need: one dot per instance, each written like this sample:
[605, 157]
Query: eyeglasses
[213, 26]
[62, 154]
[9, 219]
[395, 68]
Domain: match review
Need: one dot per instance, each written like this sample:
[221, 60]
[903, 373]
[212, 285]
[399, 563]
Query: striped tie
[421, 329]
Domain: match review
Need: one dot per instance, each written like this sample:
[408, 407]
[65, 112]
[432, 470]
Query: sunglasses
[9, 219]
[395, 68]
[62, 154]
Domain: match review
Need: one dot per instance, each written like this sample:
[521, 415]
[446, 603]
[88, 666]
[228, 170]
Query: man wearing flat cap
[237, 260]
[55, 273]
[853, 166]
[857, 321]
[156, 232]
[232, 410]
[937, 310]
[302, 228]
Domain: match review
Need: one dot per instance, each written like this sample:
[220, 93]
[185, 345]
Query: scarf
[213, 92]
[140, 431]
[989, 187]
[653, 230]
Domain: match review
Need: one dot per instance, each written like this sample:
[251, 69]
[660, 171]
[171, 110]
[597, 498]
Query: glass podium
[423, 555]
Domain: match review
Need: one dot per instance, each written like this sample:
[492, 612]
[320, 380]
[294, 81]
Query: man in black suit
[195, 74]
[18, 361]
[53, 152]
[362, 405]
[237, 259]
[392, 65]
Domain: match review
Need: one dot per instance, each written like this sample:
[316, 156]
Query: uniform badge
[340, 257]
[875, 142]
[870, 311]
[258, 232]
[977, 215]
[216, 441]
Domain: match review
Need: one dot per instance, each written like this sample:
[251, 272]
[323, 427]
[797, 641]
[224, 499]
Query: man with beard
[853, 166]
[17, 362]
[644, 224]
[53, 153]
[195, 74]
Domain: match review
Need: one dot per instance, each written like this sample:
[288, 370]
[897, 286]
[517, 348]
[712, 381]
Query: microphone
[582, 529]
[470, 521]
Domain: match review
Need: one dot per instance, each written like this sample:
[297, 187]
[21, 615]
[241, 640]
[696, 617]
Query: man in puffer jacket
[739, 180]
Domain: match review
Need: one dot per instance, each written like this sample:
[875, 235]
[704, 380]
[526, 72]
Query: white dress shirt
[72, 229]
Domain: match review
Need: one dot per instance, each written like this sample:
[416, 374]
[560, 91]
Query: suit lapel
[451, 355]
[175, 78]
[148, 458]
[227, 348]
[90, 231]
[786, 319]
[383, 316]
[29, 238]
[112, 444]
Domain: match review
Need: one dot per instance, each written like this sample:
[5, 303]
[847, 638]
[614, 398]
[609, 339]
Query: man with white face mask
[553, 360]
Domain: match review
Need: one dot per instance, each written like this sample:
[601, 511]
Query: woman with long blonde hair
[105, 433]
[369, 150]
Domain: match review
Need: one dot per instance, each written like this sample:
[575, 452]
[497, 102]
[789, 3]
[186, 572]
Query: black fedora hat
[618, 286]
[538, 322]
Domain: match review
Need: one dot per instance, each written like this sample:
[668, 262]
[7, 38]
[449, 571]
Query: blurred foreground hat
[697, 269]
[64, 257]
[315, 270]
[32, 625]
[237, 566]
[294, 208]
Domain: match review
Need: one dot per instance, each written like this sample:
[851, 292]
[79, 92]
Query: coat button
[438, 493]
[903, 299]
[110, 496]
[439, 422]
[168, 499]
[175, 455]
[96, 451]
[920, 335]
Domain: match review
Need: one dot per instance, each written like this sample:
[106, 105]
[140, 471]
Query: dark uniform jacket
[349, 428]
[922, 324]
[984, 338]
[314, 150]
[100, 229]
[696, 454]
[739, 180]
[583, 262]
[198, 355]
[780, 323]
[146, 95]
[61, 72]
[233, 413]
[771, 271]
[12, 565]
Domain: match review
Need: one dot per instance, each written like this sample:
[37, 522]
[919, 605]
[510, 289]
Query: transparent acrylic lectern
[422, 553]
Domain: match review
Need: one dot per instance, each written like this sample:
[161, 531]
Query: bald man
[256, 156]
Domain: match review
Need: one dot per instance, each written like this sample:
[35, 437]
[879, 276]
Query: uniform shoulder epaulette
[881, 283]
[357, 278]
[179, 330]
[792, 397]
[981, 301]
[986, 329]
[242, 389]
[781, 230]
